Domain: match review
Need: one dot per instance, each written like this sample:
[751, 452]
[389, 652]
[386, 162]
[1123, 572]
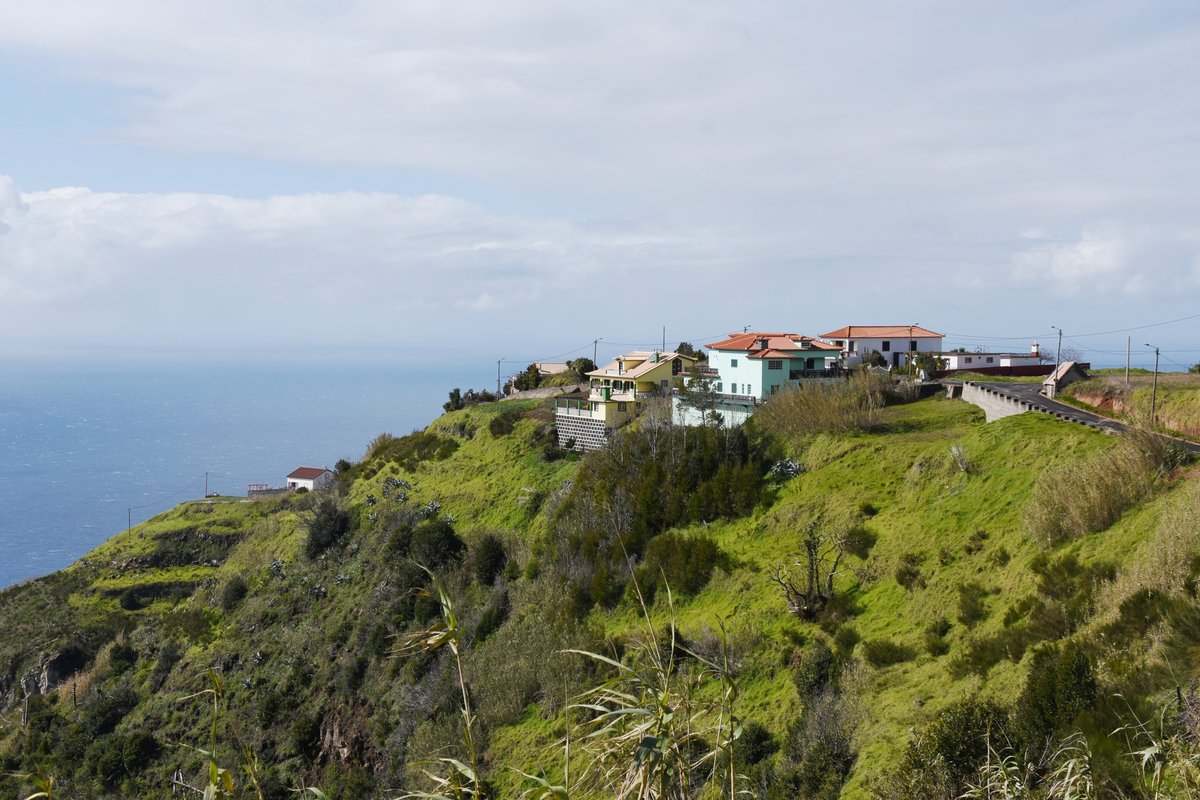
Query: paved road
[1031, 393]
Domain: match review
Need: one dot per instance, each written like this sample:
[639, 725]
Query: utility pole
[1128, 339]
[911, 366]
[128, 520]
[596, 342]
[206, 483]
[664, 338]
[1154, 391]
[498, 360]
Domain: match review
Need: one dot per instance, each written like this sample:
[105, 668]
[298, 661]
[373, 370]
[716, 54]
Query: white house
[893, 342]
[312, 478]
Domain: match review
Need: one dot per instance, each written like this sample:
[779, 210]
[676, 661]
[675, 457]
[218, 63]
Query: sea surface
[87, 447]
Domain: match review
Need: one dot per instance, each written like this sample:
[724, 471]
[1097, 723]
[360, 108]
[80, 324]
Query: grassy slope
[1177, 404]
[926, 505]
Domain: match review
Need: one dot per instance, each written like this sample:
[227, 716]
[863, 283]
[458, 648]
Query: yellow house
[614, 393]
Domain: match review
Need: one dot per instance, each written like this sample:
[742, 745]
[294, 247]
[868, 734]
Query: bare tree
[808, 584]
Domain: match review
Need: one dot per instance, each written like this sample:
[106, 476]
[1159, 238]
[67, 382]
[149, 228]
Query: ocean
[87, 447]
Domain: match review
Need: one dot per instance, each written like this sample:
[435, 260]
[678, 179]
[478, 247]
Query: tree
[699, 393]
[808, 585]
[1194, 368]
[455, 401]
[582, 366]
[874, 359]
[686, 349]
[529, 379]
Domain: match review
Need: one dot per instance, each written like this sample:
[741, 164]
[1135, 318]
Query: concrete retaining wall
[995, 405]
[547, 391]
[588, 434]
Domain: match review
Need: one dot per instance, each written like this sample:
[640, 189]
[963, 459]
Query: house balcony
[803, 374]
[564, 407]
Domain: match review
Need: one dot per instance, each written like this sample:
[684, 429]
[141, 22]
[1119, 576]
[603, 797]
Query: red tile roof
[775, 341]
[307, 473]
[881, 332]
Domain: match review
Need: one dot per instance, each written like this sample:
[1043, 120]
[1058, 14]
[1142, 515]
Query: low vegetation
[471, 614]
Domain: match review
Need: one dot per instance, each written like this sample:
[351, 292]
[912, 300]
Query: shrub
[490, 559]
[233, 592]
[756, 744]
[503, 424]
[121, 657]
[684, 561]
[846, 638]
[945, 754]
[935, 637]
[327, 525]
[908, 572]
[435, 544]
[304, 735]
[168, 657]
[493, 616]
[885, 652]
[971, 608]
[1060, 684]
[813, 669]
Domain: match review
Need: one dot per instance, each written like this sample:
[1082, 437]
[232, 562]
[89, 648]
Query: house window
[733, 362]
[774, 364]
[989, 360]
[837, 342]
[595, 406]
[968, 359]
[853, 346]
[718, 386]
[664, 383]
[912, 344]
[887, 346]
[620, 406]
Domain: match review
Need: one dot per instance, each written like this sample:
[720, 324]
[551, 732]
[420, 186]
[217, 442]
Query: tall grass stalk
[220, 780]
[461, 780]
[648, 728]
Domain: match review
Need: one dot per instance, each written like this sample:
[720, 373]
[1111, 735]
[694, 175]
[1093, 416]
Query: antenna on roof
[745, 328]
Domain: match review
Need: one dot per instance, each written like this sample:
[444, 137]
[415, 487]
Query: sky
[522, 178]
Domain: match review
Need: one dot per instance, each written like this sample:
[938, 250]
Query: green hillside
[1030, 576]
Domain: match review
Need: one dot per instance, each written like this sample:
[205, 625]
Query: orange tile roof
[880, 332]
[775, 341]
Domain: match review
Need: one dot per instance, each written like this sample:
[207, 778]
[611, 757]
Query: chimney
[1033, 351]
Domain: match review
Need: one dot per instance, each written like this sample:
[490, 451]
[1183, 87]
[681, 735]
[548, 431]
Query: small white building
[312, 478]
[893, 342]
[953, 361]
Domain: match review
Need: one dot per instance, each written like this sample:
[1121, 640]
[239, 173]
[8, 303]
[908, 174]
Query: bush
[908, 572]
[935, 637]
[490, 559]
[944, 755]
[684, 561]
[168, 657]
[435, 544]
[846, 638]
[885, 652]
[121, 657]
[971, 608]
[327, 525]
[503, 424]
[233, 592]
[1060, 685]
[813, 669]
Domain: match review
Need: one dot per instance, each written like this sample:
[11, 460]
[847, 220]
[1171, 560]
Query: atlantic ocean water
[87, 445]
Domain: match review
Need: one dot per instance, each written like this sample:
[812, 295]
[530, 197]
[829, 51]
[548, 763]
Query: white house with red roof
[756, 365]
[893, 342]
[311, 478]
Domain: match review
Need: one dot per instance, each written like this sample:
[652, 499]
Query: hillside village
[726, 385]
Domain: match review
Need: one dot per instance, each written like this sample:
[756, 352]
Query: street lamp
[1154, 391]
[498, 360]
[911, 347]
